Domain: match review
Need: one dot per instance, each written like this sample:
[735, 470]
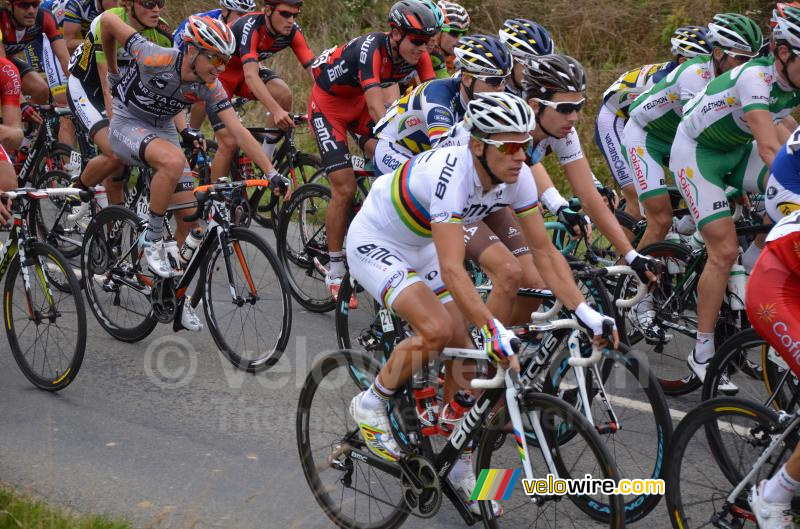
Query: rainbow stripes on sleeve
[408, 208]
[527, 209]
[495, 484]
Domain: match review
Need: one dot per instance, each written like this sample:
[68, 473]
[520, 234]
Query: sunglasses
[152, 4]
[418, 41]
[743, 57]
[563, 107]
[492, 80]
[455, 32]
[289, 14]
[27, 5]
[508, 147]
[216, 60]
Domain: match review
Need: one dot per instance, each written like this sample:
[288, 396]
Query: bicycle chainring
[423, 500]
[162, 299]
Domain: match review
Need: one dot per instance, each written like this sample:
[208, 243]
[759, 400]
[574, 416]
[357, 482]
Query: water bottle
[427, 410]
[737, 285]
[190, 245]
[696, 241]
[454, 410]
[100, 196]
[674, 266]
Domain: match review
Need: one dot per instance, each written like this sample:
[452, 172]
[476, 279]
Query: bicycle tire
[263, 359]
[655, 411]
[357, 328]
[95, 257]
[68, 236]
[716, 480]
[334, 394]
[303, 247]
[65, 371]
[302, 161]
[555, 411]
[674, 374]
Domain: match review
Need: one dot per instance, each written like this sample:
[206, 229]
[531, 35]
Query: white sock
[337, 267]
[704, 347]
[269, 148]
[685, 225]
[750, 257]
[376, 396]
[781, 488]
[646, 304]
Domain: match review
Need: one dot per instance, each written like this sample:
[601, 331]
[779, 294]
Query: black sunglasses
[563, 107]
[289, 14]
[150, 4]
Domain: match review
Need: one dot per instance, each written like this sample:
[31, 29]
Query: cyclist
[525, 40]
[258, 36]
[406, 248]
[160, 83]
[344, 99]
[229, 12]
[25, 24]
[89, 94]
[456, 25]
[783, 187]
[655, 115]
[10, 131]
[773, 294]
[727, 136]
[78, 16]
[617, 99]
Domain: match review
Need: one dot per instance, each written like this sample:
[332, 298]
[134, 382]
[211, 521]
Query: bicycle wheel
[303, 167]
[303, 246]
[713, 448]
[352, 493]
[252, 329]
[115, 275]
[358, 328]
[631, 414]
[583, 454]
[46, 327]
[755, 368]
[675, 314]
[56, 223]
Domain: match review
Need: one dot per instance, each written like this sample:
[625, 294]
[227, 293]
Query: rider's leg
[103, 167]
[197, 114]
[500, 265]
[282, 94]
[226, 148]
[34, 86]
[659, 219]
[343, 188]
[168, 162]
[632, 206]
[66, 128]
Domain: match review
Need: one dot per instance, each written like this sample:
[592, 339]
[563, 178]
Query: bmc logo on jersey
[364, 52]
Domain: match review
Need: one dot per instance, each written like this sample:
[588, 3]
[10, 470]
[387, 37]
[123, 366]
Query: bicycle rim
[46, 326]
[252, 329]
[351, 493]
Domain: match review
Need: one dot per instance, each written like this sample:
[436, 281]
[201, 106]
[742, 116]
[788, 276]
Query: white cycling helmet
[498, 112]
[240, 6]
[787, 25]
[209, 34]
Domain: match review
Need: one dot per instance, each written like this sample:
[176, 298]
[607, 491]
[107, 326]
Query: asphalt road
[166, 433]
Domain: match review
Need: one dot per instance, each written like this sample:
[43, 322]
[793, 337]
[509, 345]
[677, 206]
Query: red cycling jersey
[15, 39]
[10, 83]
[363, 63]
[773, 292]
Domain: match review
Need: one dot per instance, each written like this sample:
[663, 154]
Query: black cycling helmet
[525, 38]
[413, 17]
[553, 74]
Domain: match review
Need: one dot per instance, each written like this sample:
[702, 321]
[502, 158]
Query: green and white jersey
[715, 118]
[659, 109]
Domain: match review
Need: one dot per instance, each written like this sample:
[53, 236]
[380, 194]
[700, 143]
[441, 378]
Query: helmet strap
[485, 165]
[270, 27]
[539, 123]
[784, 64]
[133, 14]
[191, 61]
[470, 88]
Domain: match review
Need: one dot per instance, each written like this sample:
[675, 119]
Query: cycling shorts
[235, 85]
[779, 201]
[331, 118]
[129, 140]
[608, 136]
[702, 174]
[384, 267]
[88, 107]
[773, 303]
[41, 58]
[501, 226]
[646, 155]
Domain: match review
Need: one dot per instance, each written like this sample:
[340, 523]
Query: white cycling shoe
[375, 429]
[465, 484]
[699, 369]
[156, 256]
[769, 515]
[189, 318]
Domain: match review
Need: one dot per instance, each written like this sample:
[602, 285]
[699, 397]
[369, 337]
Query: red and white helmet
[210, 34]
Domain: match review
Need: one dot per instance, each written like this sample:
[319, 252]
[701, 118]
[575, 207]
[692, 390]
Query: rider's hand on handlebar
[282, 119]
[599, 325]
[279, 184]
[574, 221]
[30, 114]
[497, 343]
[192, 138]
[647, 268]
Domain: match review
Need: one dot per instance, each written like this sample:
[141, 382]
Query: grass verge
[22, 512]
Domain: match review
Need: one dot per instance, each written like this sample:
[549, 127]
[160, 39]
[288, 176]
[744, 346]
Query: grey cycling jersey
[152, 92]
